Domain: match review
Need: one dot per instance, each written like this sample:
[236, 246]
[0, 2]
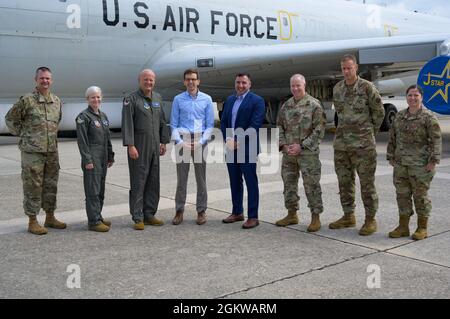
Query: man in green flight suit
[145, 133]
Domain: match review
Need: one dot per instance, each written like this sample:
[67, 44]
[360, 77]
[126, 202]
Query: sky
[437, 7]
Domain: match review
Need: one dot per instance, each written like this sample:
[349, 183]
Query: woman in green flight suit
[94, 143]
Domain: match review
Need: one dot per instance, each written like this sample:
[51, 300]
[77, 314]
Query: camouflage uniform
[94, 143]
[144, 126]
[35, 119]
[301, 122]
[415, 141]
[360, 114]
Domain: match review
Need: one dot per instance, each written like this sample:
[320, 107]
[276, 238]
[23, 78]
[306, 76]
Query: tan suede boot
[139, 226]
[402, 229]
[346, 221]
[369, 227]
[101, 228]
[34, 227]
[315, 223]
[107, 222]
[421, 231]
[52, 222]
[153, 221]
[290, 219]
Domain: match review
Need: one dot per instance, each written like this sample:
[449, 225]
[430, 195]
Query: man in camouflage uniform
[414, 150]
[301, 125]
[35, 118]
[360, 113]
[145, 133]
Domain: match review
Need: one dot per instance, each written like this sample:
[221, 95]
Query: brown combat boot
[421, 231]
[52, 222]
[369, 227]
[346, 221]
[34, 227]
[290, 219]
[402, 229]
[315, 223]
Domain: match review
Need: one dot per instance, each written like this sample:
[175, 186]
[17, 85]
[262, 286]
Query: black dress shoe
[250, 223]
[233, 218]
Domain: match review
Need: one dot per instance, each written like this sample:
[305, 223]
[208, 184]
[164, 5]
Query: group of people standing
[414, 150]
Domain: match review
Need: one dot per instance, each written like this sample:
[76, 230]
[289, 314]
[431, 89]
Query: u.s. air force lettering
[188, 19]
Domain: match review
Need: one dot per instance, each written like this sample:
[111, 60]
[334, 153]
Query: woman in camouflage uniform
[414, 150]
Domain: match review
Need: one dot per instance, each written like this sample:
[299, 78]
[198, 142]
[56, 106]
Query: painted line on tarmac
[17, 225]
[443, 176]
[9, 167]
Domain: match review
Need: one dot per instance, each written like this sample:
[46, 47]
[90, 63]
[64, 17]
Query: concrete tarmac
[216, 260]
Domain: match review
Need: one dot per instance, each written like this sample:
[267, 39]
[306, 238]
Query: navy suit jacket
[250, 115]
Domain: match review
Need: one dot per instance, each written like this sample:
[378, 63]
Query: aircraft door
[288, 24]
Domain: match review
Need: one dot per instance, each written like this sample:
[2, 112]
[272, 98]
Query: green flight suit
[144, 126]
[94, 143]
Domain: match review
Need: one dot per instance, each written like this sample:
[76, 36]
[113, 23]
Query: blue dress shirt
[236, 106]
[192, 115]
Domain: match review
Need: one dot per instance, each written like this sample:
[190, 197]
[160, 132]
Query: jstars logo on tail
[435, 80]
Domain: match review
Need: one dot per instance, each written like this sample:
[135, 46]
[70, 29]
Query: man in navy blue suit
[243, 115]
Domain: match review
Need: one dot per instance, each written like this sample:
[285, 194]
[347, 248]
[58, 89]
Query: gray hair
[298, 76]
[91, 90]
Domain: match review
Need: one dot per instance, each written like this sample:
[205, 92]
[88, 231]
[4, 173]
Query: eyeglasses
[190, 80]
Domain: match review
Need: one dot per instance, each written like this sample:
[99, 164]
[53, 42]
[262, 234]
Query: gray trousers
[183, 165]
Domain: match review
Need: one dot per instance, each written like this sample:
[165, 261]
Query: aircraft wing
[271, 65]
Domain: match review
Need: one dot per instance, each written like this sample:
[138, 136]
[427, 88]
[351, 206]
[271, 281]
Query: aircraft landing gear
[389, 117]
[272, 108]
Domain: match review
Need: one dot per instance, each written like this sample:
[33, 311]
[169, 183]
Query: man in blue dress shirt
[192, 123]
[242, 117]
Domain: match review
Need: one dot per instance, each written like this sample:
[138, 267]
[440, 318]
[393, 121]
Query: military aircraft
[108, 42]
